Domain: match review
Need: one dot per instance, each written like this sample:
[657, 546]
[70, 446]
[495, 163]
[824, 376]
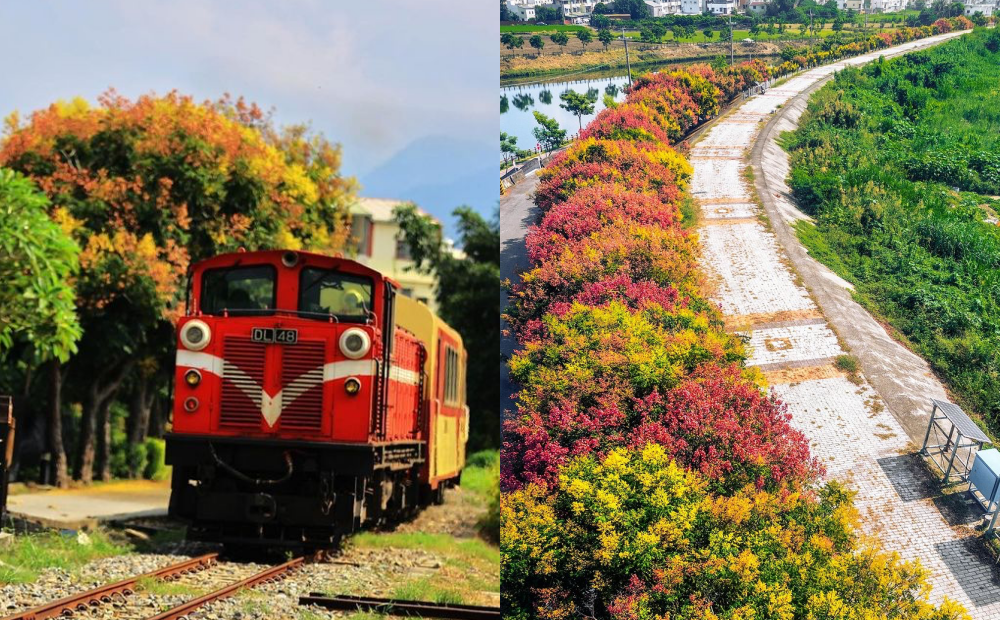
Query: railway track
[89, 602]
[225, 580]
[118, 590]
[420, 609]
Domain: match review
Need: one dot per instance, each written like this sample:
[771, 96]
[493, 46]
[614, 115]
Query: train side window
[451, 378]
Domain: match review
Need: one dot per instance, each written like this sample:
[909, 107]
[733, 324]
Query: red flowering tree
[592, 209]
[590, 162]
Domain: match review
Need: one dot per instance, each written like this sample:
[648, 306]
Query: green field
[791, 33]
[533, 29]
[899, 164]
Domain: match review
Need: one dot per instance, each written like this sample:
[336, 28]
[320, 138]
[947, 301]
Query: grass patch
[847, 363]
[169, 588]
[481, 472]
[439, 543]
[30, 554]
[425, 589]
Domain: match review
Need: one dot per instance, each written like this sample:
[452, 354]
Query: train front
[280, 414]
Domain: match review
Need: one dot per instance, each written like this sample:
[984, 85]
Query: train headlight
[355, 343]
[192, 377]
[352, 386]
[196, 335]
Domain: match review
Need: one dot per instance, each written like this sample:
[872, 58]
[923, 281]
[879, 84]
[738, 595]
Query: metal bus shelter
[954, 435]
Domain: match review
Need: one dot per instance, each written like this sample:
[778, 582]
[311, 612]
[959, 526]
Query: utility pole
[627, 63]
[732, 56]
[812, 30]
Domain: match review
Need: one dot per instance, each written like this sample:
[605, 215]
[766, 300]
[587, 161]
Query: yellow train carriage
[447, 421]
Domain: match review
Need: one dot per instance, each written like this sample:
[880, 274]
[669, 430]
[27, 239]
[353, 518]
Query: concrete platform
[85, 508]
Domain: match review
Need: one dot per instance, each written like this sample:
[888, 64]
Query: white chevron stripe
[200, 361]
[348, 368]
[272, 406]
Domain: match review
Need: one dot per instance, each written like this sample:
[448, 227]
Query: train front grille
[242, 378]
[302, 385]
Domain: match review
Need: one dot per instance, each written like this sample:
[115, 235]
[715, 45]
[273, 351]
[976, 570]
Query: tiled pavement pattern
[855, 437]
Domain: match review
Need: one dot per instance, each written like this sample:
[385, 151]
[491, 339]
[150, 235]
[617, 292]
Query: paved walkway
[85, 508]
[517, 213]
[793, 340]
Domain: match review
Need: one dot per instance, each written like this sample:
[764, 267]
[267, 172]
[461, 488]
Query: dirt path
[769, 288]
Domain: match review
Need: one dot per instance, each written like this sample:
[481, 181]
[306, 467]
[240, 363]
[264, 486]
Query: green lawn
[532, 28]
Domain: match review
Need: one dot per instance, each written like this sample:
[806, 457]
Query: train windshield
[238, 290]
[325, 292]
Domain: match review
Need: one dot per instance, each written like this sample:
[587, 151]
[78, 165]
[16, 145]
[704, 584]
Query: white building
[986, 9]
[722, 7]
[756, 8]
[855, 5]
[692, 7]
[573, 8]
[886, 6]
[662, 8]
[376, 242]
[523, 12]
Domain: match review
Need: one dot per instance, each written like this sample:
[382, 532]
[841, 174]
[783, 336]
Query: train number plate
[272, 335]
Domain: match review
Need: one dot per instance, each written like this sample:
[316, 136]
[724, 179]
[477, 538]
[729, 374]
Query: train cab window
[238, 290]
[325, 292]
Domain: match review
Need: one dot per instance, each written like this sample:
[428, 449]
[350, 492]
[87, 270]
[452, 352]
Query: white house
[855, 5]
[887, 6]
[662, 8]
[524, 12]
[986, 9]
[756, 8]
[722, 7]
[692, 7]
[376, 243]
[524, 9]
[573, 8]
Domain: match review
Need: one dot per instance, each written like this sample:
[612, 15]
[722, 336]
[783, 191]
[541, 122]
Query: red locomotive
[311, 400]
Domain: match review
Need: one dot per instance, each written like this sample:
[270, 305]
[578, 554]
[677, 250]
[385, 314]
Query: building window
[402, 249]
[361, 234]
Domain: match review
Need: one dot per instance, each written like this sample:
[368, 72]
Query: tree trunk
[96, 412]
[55, 440]
[104, 441]
[85, 444]
[142, 403]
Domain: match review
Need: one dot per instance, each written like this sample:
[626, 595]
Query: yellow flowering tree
[634, 536]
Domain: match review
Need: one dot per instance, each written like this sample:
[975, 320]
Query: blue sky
[374, 75]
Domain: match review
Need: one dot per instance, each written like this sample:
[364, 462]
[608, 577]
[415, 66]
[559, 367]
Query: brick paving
[850, 429]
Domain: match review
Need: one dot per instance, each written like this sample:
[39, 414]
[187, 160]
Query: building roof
[380, 209]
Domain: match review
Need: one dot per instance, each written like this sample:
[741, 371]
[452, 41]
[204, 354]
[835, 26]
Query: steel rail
[268, 575]
[402, 608]
[82, 601]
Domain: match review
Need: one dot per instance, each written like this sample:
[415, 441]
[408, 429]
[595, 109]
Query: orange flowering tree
[145, 187]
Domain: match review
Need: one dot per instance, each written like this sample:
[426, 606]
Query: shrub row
[874, 42]
[646, 473]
